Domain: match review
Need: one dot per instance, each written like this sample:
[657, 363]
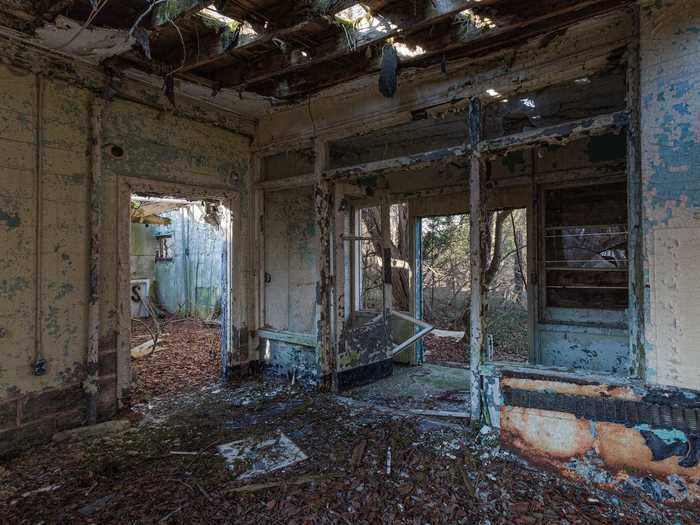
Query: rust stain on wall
[544, 436]
[624, 449]
[558, 387]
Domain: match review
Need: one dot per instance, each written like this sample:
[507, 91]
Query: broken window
[568, 101]
[369, 259]
[165, 251]
[585, 247]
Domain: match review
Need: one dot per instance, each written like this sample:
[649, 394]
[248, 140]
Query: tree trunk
[494, 247]
[399, 251]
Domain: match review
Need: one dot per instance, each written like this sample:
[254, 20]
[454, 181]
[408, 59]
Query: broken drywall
[92, 44]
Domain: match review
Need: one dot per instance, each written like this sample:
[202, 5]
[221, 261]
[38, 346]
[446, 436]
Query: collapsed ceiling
[285, 49]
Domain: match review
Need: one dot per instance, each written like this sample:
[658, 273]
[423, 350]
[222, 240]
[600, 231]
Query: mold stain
[10, 288]
[11, 220]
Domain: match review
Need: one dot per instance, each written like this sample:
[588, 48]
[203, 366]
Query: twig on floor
[255, 487]
[170, 514]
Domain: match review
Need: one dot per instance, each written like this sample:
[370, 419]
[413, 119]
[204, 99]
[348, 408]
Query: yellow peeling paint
[158, 146]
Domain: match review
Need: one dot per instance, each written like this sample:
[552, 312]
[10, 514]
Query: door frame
[232, 229]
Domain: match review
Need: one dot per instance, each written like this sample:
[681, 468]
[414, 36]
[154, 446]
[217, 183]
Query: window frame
[615, 318]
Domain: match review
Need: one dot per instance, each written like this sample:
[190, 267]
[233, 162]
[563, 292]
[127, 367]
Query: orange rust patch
[560, 387]
[549, 435]
[624, 449]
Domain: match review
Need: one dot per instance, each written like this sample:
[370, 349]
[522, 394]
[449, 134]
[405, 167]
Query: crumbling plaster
[670, 156]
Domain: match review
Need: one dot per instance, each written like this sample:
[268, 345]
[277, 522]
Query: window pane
[586, 247]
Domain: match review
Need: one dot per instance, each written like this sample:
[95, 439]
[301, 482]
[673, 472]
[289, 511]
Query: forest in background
[446, 275]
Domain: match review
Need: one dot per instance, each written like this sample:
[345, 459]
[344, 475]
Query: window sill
[550, 373]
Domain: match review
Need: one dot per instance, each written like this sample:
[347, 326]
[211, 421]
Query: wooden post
[90, 385]
[323, 204]
[477, 251]
[637, 366]
[341, 278]
[385, 226]
[256, 271]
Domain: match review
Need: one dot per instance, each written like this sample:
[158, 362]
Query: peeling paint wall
[622, 436]
[191, 282]
[290, 276]
[45, 237]
[142, 249]
[670, 136]
[44, 227]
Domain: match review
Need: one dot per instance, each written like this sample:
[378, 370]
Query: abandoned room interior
[329, 261]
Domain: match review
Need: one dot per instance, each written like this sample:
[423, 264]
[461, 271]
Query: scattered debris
[440, 413]
[249, 459]
[438, 470]
[190, 360]
[144, 349]
[264, 486]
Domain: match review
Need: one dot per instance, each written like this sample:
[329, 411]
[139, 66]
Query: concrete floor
[425, 387]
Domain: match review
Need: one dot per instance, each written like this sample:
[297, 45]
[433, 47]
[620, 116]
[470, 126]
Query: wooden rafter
[335, 62]
[216, 46]
[346, 43]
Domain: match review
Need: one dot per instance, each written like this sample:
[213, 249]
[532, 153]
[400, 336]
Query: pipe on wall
[90, 384]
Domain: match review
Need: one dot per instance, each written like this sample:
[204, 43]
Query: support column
[255, 281]
[637, 365]
[323, 205]
[477, 251]
[415, 225]
[90, 384]
[385, 226]
[341, 279]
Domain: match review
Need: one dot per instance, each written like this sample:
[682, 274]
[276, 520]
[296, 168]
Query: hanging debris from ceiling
[388, 78]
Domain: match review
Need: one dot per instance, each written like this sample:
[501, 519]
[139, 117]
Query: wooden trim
[557, 135]
[637, 364]
[91, 385]
[287, 337]
[406, 163]
[299, 181]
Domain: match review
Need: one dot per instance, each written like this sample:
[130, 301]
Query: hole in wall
[115, 151]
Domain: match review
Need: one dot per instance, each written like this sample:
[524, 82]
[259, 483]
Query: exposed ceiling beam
[427, 13]
[462, 40]
[309, 14]
[169, 10]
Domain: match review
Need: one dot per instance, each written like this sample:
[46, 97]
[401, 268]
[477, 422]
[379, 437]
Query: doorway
[179, 291]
